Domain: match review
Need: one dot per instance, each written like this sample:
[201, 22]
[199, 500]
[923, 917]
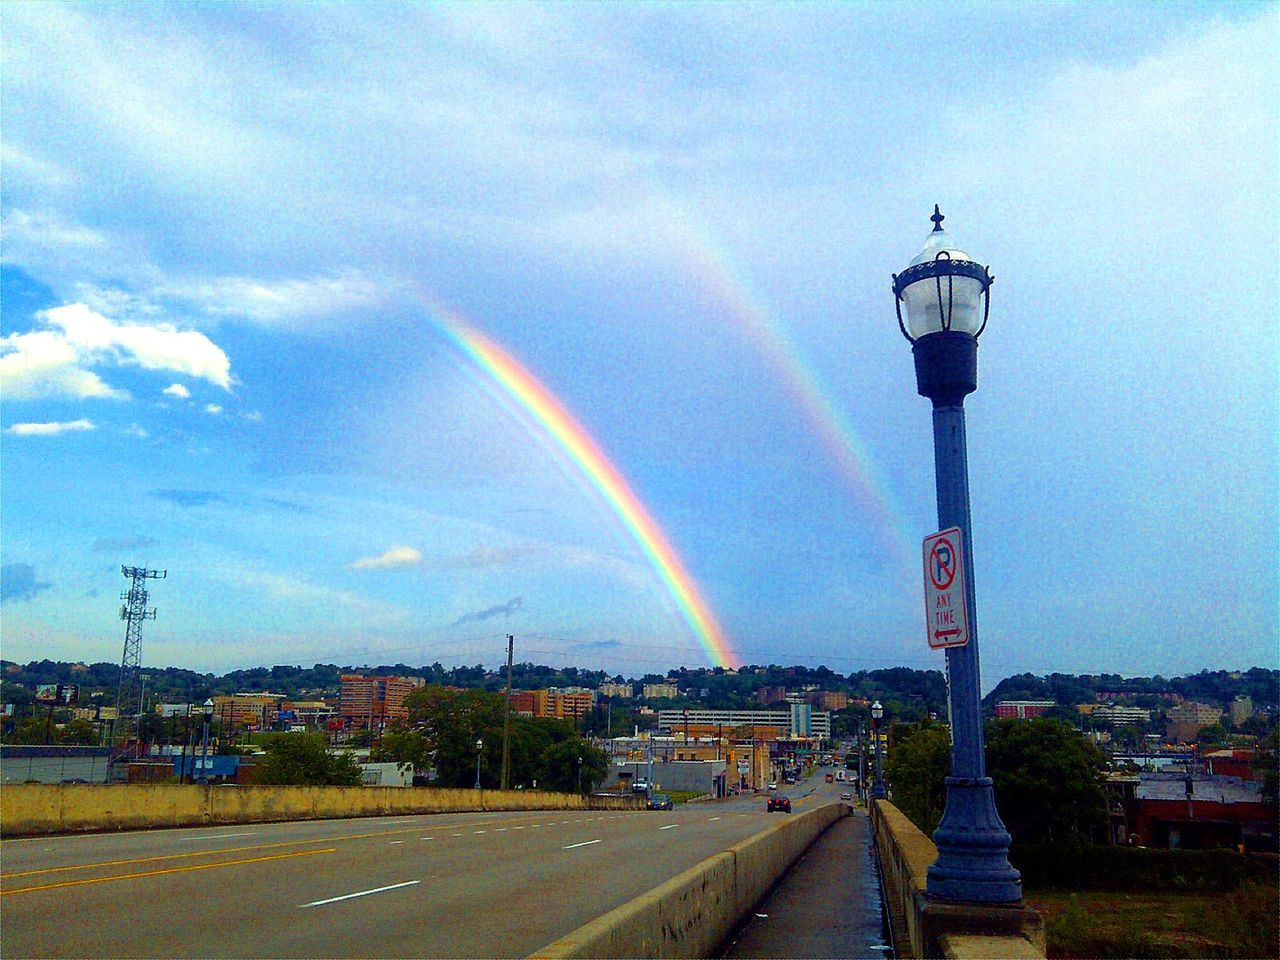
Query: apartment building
[369, 702]
[660, 691]
[555, 703]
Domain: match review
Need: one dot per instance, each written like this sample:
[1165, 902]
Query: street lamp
[204, 742]
[579, 774]
[479, 747]
[878, 791]
[948, 298]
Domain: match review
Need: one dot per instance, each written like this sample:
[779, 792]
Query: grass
[1243, 923]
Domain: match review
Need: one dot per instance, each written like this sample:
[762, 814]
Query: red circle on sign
[935, 564]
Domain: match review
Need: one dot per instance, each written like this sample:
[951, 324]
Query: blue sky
[223, 223]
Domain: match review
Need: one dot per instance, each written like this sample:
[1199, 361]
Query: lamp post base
[973, 848]
[878, 791]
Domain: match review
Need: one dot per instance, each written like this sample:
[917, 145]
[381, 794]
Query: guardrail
[925, 927]
[694, 913]
[34, 809]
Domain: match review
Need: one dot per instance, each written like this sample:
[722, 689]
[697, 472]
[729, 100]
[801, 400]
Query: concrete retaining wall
[924, 927]
[27, 809]
[692, 914]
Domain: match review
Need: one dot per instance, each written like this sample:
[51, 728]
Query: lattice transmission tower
[133, 612]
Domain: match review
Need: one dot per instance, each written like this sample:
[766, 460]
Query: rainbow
[568, 435]
[711, 266]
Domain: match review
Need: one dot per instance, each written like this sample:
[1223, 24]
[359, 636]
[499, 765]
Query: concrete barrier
[925, 927]
[694, 913]
[34, 808]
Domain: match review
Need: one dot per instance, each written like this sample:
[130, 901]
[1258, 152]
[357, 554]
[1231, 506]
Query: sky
[389, 330]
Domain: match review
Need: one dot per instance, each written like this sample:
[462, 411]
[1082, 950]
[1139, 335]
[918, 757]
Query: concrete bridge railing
[925, 927]
[32, 809]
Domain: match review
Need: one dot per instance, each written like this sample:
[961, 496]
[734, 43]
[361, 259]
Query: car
[778, 802]
[846, 796]
[640, 786]
[75, 780]
[773, 784]
[831, 778]
[660, 801]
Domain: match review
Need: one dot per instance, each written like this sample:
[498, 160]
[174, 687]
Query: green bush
[1083, 867]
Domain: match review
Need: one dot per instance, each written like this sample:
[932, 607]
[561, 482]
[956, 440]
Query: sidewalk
[827, 906]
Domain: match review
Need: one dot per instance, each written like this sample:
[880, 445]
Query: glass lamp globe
[942, 289]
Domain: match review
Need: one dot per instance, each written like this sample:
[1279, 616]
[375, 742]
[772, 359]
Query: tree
[917, 768]
[1048, 780]
[303, 759]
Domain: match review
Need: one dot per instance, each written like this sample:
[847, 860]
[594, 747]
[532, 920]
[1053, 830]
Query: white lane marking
[533, 826]
[394, 842]
[669, 826]
[455, 834]
[517, 828]
[478, 832]
[216, 836]
[713, 819]
[501, 830]
[362, 893]
[584, 843]
[427, 838]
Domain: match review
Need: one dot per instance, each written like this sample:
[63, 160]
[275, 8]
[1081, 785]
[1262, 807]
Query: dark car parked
[778, 802]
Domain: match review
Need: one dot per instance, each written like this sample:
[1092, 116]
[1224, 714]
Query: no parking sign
[946, 616]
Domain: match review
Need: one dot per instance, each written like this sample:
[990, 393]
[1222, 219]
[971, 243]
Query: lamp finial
[937, 219]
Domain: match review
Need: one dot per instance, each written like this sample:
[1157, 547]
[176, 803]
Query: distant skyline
[390, 330]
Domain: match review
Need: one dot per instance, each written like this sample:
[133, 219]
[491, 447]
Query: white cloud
[213, 408]
[273, 302]
[395, 557]
[45, 364]
[153, 347]
[53, 363]
[134, 430]
[50, 429]
[177, 390]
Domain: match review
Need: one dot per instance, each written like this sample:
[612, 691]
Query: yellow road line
[242, 849]
[156, 873]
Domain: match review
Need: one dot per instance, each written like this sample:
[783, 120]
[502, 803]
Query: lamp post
[579, 774]
[878, 791]
[204, 742]
[479, 747]
[948, 299]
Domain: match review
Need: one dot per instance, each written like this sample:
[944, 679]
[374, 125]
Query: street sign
[946, 616]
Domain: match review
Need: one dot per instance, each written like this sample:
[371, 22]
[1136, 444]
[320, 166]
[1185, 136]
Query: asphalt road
[455, 885]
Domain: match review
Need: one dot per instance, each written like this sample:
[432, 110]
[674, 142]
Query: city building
[1117, 715]
[798, 721]
[554, 703]
[623, 690]
[768, 695]
[1184, 720]
[1200, 810]
[1022, 709]
[1241, 710]
[369, 702]
[828, 699]
[660, 691]
[253, 711]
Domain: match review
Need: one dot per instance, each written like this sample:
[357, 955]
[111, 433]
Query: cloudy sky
[246, 248]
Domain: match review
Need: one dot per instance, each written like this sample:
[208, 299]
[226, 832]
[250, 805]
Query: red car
[777, 802]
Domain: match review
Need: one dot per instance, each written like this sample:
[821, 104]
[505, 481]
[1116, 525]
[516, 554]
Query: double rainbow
[559, 425]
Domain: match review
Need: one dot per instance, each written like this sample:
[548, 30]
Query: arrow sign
[946, 615]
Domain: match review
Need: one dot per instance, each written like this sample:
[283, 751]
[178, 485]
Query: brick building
[1022, 709]
[369, 702]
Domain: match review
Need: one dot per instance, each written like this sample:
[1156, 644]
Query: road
[456, 885]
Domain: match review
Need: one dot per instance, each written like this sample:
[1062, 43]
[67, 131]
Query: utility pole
[505, 781]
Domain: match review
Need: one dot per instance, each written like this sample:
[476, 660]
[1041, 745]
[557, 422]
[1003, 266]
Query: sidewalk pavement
[828, 905]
